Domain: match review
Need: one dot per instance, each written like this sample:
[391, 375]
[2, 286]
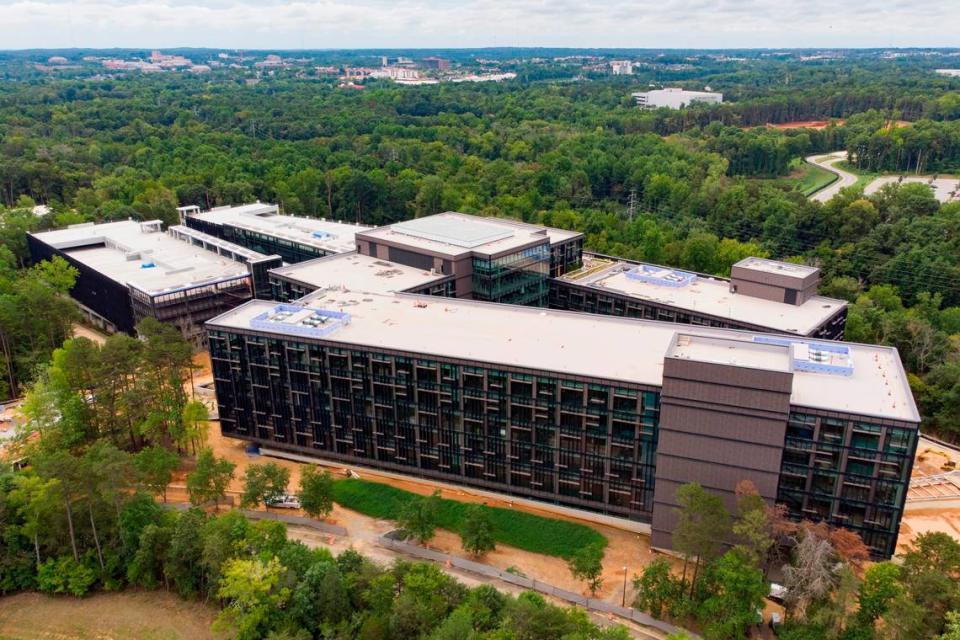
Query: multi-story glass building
[760, 295]
[489, 259]
[600, 413]
[132, 270]
[262, 228]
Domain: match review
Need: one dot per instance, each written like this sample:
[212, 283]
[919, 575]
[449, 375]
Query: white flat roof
[790, 269]
[329, 235]
[707, 295]
[129, 247]
[457, 234]
[178, 231]
[580, 344]
[672, 91]
[730, 352]
[467, 234]
[357, 272]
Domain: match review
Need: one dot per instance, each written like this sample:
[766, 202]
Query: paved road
[827, 162]
[945, 189]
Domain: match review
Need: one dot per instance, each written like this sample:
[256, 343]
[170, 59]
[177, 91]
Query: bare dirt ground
[83, 331]
[805, 124]
[925, 516]
[131, 615]
[932, 459]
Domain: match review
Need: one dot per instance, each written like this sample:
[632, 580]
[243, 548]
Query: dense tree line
[830, 591]
[927, 146]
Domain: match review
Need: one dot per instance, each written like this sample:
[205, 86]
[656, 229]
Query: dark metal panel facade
[693, 447]
[103, 295]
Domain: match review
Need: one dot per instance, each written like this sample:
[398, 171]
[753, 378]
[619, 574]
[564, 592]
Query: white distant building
[485, 77]
[674, 98]
[953, 73]
[621, 67]
[396, 73]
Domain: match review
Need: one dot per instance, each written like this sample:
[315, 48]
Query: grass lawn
[525, 531]
[814, 179]
[803, 177]
[863, 177]
[127, 615]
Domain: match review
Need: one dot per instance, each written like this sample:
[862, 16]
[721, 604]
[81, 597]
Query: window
[832, 430]
[899, 440]
[860, 468]
[825, 483]
[870, 441]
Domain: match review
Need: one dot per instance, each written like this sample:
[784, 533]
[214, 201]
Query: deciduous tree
[316, 491]
[476, 533]
[587, 565]
[155, 467]
[263, 483]
[703, 525]
[210, 479]
[418, 520]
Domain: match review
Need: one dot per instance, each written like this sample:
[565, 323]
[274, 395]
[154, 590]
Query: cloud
[451, 23]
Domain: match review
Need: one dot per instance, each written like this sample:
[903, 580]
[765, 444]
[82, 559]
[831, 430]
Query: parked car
[777, 593]
[284, 502]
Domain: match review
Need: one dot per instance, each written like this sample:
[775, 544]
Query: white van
[284, 501]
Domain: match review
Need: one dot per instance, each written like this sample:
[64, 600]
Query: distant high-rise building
[433, 62]
[621, 67]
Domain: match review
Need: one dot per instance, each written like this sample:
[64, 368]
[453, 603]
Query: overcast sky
[272, 24]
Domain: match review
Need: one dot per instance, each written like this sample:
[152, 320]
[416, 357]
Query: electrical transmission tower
[632, 204]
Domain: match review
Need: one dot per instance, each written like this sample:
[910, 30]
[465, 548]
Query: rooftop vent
[815, 357]
[301, 321]
[661, 276]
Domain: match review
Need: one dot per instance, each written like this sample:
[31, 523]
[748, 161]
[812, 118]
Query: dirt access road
[827, 162]
[625, 548]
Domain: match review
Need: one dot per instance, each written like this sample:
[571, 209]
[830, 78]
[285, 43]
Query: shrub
[65, 575]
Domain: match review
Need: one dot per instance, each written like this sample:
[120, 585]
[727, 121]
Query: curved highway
[827, 162]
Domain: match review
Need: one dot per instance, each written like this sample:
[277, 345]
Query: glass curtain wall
[564, 441]
[517, 278]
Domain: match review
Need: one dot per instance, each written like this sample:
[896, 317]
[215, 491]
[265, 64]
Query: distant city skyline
[357, 24]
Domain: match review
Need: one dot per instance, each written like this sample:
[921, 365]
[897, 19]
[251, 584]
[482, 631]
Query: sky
[326, 24]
